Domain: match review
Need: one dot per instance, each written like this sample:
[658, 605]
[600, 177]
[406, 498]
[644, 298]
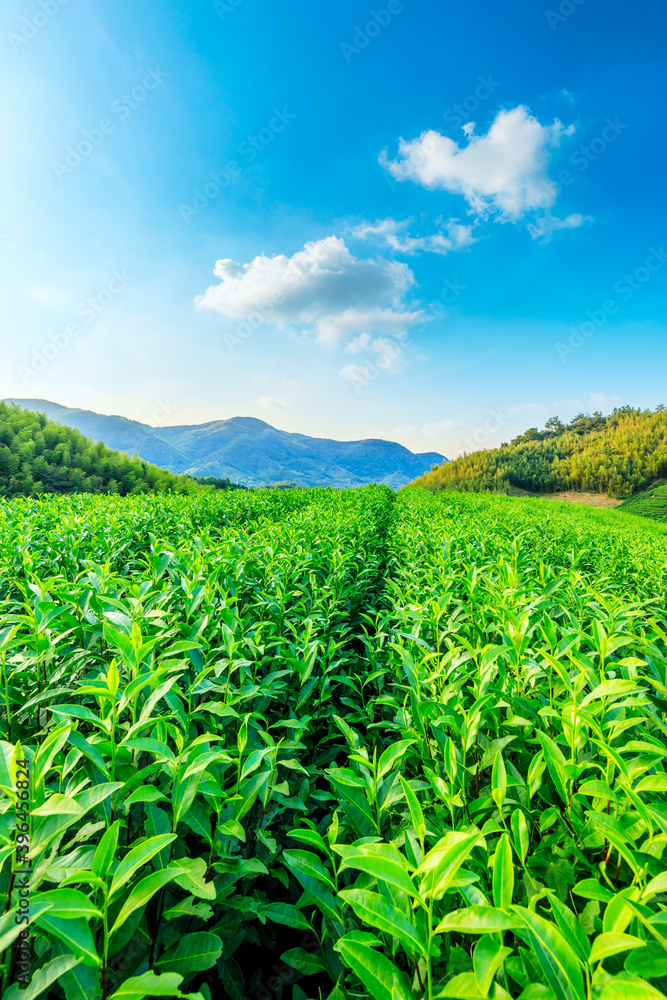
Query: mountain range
[247, 450]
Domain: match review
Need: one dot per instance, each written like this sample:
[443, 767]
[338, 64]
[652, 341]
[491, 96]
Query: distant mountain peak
[247, 449]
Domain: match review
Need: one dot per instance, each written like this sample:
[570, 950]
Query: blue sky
[385, 267]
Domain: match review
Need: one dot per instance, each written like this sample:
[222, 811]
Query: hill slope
[38, 455]
[248, 450]
[617, 455]
[650, 503]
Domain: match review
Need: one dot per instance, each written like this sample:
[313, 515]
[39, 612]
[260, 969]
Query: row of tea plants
[312, 744]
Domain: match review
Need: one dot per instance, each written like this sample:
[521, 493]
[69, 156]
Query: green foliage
[334, 744]
[38, 455]
[650, 503]
[619, 455]
[219, 484]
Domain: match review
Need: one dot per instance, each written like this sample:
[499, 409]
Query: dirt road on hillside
[591, 499]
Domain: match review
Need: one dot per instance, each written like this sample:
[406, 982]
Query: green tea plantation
[303, 744]
[650, 503]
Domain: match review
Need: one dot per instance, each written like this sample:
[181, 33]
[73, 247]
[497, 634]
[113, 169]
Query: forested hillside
[619, 455]
[38, 455]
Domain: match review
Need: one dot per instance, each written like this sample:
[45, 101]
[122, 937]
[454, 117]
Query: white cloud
[360, 343]
[323, 289]
[503, 173]
[384, 355]
[388, 353]
[604, 402]
[547, 224]
[460, 234]
[336, 329]
[358, 375]
[393, 233]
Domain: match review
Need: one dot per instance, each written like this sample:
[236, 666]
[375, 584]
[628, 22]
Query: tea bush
[332, 744]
